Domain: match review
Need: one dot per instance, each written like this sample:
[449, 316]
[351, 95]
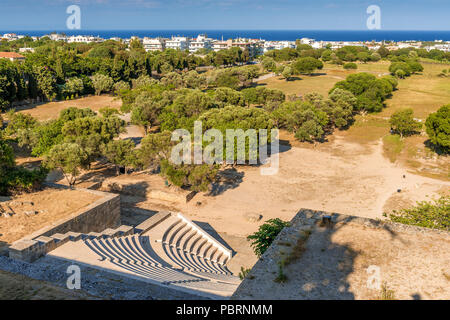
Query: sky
[225, 14]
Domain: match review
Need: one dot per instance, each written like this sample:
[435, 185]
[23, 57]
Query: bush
[19, 180]
[403, 66]
[15, 179]
[266, 234]
[350, 65]
[102, 83]
[433, 214]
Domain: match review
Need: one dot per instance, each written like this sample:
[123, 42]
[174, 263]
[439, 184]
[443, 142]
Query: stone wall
[324, 264]
[100, 215]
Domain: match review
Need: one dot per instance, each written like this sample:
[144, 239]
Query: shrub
[266, 234]
[433, 214]
[102, 83]
[350, 65]
[192, 177]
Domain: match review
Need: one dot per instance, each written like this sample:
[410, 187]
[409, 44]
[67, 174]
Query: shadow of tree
[227, 179]
[318, 266]
[325, 267]
[435, 148]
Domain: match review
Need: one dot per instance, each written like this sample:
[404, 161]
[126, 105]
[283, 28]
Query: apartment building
[201, 42]
[154, 44]
[83, 39]
[180, 43]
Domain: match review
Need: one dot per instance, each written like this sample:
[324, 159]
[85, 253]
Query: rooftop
[11, 55]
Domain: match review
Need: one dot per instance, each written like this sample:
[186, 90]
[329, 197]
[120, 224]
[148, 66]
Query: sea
[270, 35]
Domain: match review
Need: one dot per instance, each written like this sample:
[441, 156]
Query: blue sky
[225, 14]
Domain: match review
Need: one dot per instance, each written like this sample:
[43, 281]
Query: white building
[307, 41]
[57, 37]
[201, 42]
[10, 36]
[178, 43]
[277, 45]
[26, 50]
[154, 44]
[83, 39]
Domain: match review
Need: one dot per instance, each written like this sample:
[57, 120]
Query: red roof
[11, 55]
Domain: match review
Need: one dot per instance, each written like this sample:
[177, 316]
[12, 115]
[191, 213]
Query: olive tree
[70, 158]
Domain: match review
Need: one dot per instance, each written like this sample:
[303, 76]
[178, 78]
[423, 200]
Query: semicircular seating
[170, 251]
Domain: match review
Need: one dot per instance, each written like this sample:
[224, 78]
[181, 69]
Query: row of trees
[58, 70]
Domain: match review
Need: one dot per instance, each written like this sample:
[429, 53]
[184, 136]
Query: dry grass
[298, 249]
[392, 146]
[19, 287]
[51, 205]
[49, 111]
[424, 93]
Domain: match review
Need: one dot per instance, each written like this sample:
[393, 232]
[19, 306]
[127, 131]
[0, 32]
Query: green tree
[193, 177]
[119, 152]
[438, 128]
[429, 214]
[102, 83]
[121, 86]
[403, 123]
[287, 73]
[269, 64]
[306, 65]
[46, 82]
[73, 86]
[155, 148]
[403, 66]
[70, 158]
[146, 110]
[266, 234]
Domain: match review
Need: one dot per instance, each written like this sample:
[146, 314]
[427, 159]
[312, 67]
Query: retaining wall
[98, 216]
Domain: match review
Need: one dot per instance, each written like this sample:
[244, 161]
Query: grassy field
[424, 93]
[323, 80]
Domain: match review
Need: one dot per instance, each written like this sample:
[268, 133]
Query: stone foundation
[100, 215]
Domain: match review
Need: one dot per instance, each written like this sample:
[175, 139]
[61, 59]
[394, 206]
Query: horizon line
[243, 29]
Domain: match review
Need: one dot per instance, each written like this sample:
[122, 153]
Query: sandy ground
[342, 177]
[345, 179]
[51, 110]
[335, 262]
[50, 204]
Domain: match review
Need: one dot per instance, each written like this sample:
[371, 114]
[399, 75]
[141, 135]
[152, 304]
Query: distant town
[254, 46]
